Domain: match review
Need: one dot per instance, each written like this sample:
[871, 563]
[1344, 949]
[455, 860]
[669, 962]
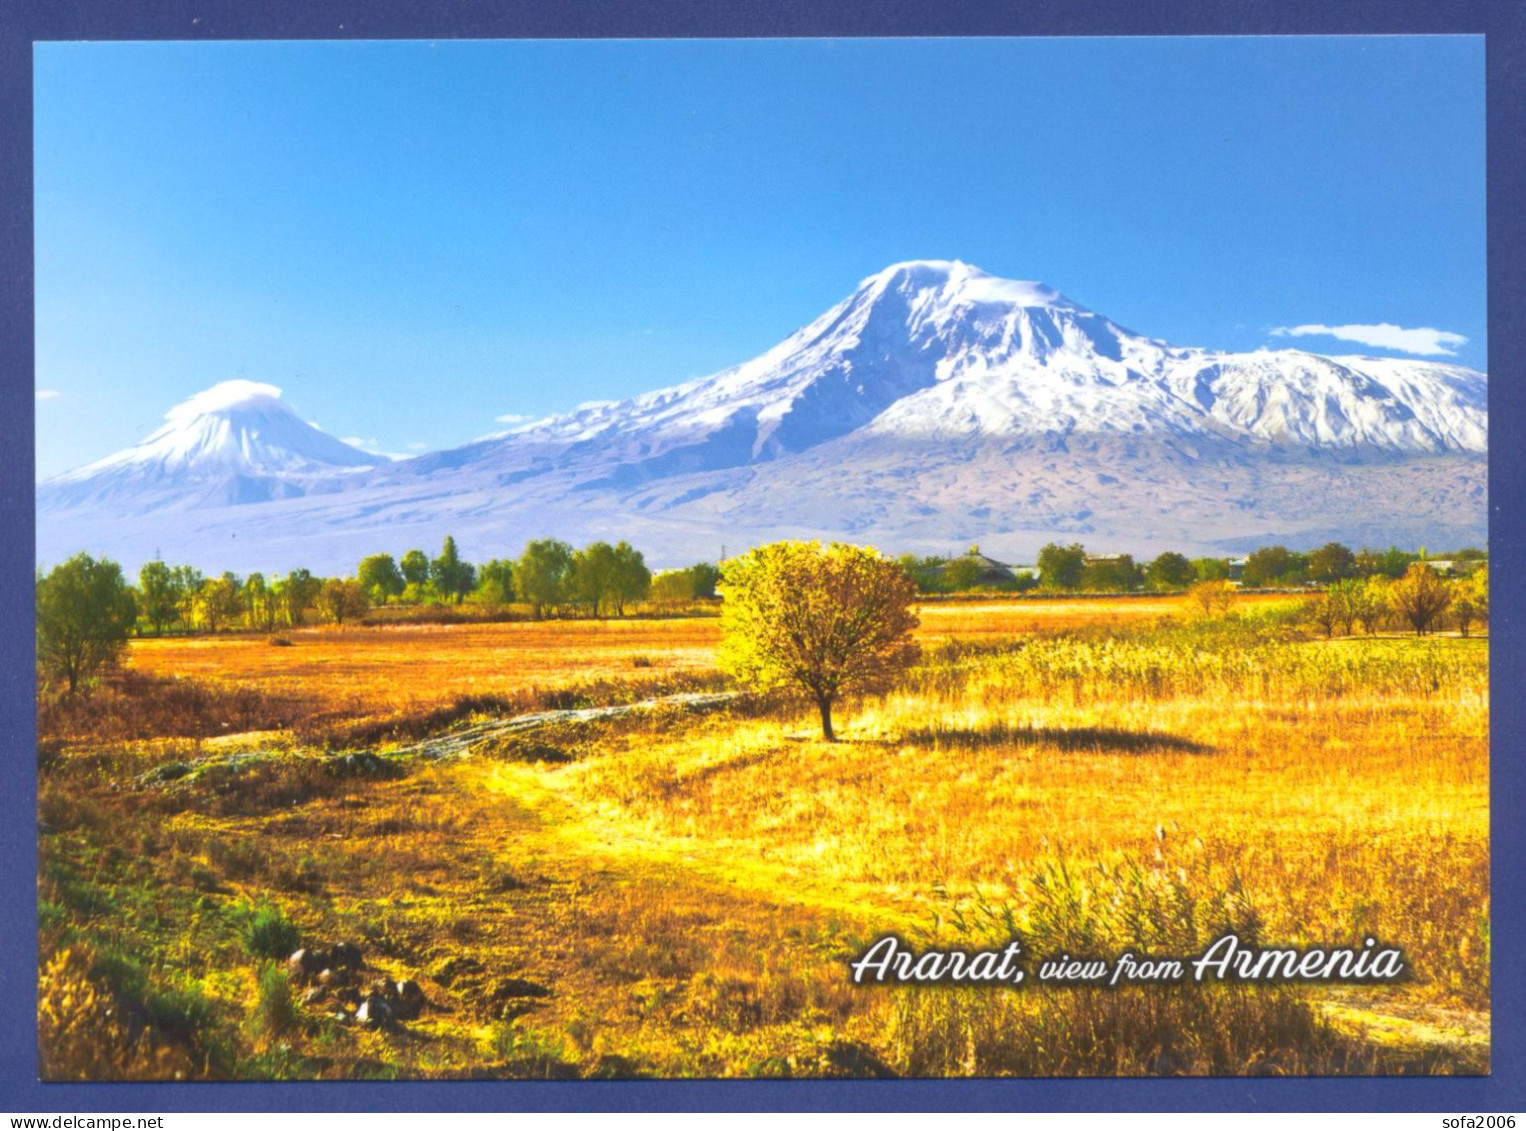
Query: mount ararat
[933, 407]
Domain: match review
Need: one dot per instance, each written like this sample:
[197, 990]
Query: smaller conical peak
[957, 281]
[225, 397]
[239, 426]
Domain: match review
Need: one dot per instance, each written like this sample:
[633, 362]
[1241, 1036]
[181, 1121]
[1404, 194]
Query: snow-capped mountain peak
[903, 330]
[952, 282]
[236, 441]
[226, 397]
[235, 425]
[941, 349]
[934, 405]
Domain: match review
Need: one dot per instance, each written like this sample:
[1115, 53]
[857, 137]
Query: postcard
[817, 559]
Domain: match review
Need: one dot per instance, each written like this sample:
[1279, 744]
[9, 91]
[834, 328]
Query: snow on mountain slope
[941, 350]
[904, 330]
[934, 406]
[233, 443]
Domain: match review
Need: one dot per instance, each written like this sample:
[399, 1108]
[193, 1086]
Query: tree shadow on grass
[1083, 740]
[705, 773]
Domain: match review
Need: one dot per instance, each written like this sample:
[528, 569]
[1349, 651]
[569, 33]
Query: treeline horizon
[1070, 568]
[551, 578]
[86, 609]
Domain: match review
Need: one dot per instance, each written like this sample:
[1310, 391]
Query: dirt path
[575, 831]
[462, 743]
[450, 746]
[597, 853]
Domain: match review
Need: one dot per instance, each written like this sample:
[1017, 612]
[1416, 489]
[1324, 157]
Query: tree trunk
[825, 704]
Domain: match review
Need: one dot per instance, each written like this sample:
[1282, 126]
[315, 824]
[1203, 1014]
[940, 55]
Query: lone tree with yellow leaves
[819, 620]
[1211, 598]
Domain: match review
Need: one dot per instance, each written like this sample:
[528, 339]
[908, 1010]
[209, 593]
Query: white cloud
[517, 422]
[47, 394]
[1384, 335]
[370, 447]
[417, 446]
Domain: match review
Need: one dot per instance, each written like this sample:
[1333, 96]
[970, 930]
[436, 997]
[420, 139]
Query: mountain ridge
[927, 367]
[976, 335]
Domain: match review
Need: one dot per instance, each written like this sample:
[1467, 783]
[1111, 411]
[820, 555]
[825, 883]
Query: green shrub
[179, 1012]
[530, 1054]
[274, 1009]
[269, 934]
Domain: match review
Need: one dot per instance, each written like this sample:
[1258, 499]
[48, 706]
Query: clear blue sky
[412, 239]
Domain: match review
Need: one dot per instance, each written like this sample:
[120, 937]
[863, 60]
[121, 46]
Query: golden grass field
[669, 893]
[378, 671]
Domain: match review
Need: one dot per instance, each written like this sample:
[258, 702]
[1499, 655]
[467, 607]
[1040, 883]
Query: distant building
[992, 572]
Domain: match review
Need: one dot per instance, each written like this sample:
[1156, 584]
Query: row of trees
[181, 598]
[1069, 568]
[1280, 567]
[549, 576]
[1420, 600]
[87, 610]
[418, 578]
[821, 620]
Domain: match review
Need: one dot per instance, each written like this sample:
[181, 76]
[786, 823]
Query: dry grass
[131, 705]
[412, 667]
[407, 668]
[679, 895]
